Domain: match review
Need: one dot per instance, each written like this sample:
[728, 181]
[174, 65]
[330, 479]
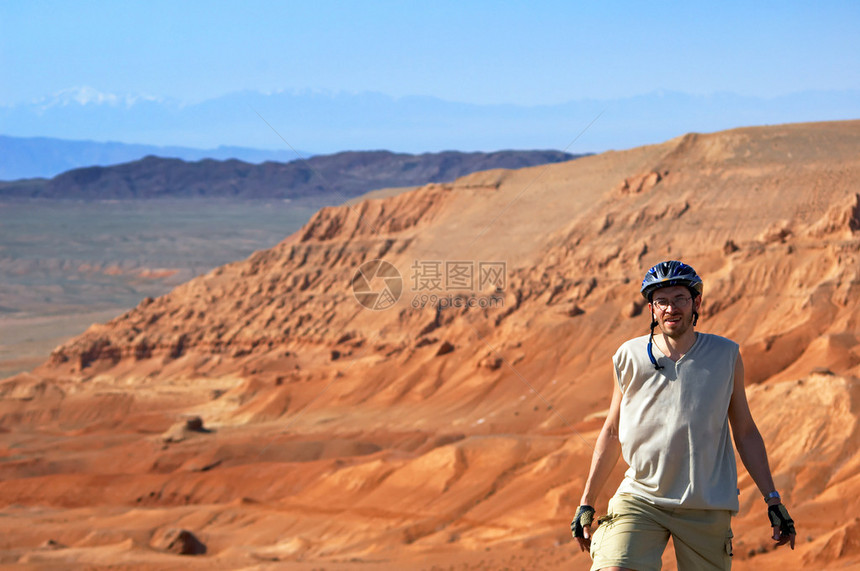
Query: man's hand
[580, 527]
[783, 525]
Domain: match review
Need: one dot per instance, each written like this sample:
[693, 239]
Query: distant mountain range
[44, 157]
[324, 123]
[324, 178]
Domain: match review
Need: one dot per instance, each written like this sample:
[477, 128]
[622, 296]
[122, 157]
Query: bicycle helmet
[671, 273]
[668, 274]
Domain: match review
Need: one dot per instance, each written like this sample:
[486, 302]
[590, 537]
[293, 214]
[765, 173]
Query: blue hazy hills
[45, 157]
[239, 125]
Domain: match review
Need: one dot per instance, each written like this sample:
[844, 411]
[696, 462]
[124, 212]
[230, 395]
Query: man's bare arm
[750, 444]
[603, 460]
[606, 452]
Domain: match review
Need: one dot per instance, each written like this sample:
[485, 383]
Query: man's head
[674, 294]
[675, 310]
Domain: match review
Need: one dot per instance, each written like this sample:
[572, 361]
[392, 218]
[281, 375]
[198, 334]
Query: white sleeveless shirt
[674, 426]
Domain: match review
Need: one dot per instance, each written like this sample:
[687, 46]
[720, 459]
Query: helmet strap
[651, 343]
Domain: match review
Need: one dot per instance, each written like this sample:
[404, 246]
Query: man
[675, 394]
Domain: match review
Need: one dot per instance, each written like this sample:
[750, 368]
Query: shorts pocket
[596, 538]
[603, 523]
[729, 537]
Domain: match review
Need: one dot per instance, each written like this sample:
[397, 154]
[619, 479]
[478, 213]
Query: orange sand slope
[336, 437]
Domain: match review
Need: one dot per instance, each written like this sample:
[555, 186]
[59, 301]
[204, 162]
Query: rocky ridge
[325, 179]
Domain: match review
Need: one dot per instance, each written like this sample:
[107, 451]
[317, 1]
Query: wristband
[773, 495]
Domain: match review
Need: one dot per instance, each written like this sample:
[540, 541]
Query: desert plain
[261, 416]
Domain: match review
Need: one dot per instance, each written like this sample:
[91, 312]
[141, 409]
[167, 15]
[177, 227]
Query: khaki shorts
[635, 533]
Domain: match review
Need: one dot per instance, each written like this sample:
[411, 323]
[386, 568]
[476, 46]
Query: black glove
[584, 516]
[779, 518]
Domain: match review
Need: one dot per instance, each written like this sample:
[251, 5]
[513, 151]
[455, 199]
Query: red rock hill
[410, 437]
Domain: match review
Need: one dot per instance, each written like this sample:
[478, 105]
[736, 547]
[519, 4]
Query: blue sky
[536, 57]
[525, 53]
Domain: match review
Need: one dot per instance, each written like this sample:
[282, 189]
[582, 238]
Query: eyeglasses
[679, 302]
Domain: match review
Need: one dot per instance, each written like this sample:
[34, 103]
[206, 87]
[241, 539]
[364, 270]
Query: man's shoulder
[719, 341]
[636, 342]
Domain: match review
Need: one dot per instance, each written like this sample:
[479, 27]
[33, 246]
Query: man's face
[673, 309]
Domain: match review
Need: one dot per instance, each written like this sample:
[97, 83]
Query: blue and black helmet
[671, 273]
